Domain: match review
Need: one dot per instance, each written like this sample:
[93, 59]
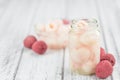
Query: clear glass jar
[84, 46]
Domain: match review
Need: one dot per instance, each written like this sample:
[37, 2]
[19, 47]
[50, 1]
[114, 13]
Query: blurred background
[19, 16]
[26, 13]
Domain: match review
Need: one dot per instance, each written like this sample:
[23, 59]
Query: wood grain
[111, 33]
[50, 65]
[17, 20]
[14, 25]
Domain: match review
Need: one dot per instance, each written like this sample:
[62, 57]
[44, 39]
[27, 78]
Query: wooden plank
[117, 24]
[81, 9]
[4, 4]
[42, 67]
[111, 29]
[32, 66]
[7, 13]
[14, 26]
[117, 4]
[50, 65]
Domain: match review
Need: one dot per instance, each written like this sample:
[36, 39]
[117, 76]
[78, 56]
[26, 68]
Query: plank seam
[16, 70]
[100, 20]
[15, 73]
[63, 63]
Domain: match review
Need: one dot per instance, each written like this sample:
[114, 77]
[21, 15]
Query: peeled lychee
[102, 52]
[108, 57]
[29, 40]
[104, 69]
[39, 47]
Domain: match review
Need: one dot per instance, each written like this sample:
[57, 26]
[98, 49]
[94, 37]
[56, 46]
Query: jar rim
[91, 22]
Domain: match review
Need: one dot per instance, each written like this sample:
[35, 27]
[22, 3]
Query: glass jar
[84, 46]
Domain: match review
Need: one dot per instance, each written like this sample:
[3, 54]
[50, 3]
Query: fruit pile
[105, 67]
[39, 47]
[50, 31]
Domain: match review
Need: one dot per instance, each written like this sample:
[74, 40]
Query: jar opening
[88, 24]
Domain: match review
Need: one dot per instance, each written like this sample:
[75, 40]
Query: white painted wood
[117, 3]
[50, 65]
[3, 6]
[78, 9]
[17, 20]
[40, 67]
[111, 29]
[14, 25]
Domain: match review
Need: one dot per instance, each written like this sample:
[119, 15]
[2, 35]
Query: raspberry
[29, 40]
[104, 69]
[39, 47]
[108, 57]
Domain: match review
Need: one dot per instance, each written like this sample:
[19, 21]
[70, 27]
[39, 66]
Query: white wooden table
[17, 20]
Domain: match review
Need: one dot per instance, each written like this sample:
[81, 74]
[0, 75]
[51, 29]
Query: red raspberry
[39, 47]
[102, 52]
[29, 40]
[104, 69]
[65, 21]
[108, 57]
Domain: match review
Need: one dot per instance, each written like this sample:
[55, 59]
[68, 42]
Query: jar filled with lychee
[84, 46]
